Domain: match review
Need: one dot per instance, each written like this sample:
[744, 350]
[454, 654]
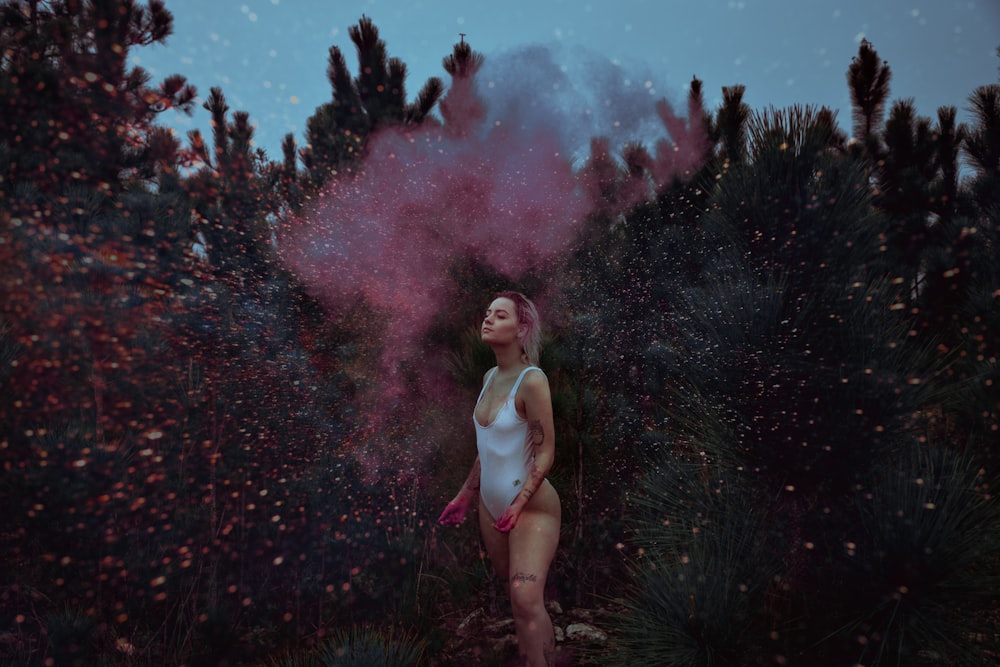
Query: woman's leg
[531, 547]
[496, 544]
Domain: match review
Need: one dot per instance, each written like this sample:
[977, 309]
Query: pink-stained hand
[454, 513]
[508, 520]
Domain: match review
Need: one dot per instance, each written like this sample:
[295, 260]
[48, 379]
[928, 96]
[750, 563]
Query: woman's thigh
[533, 540]
[496, 543]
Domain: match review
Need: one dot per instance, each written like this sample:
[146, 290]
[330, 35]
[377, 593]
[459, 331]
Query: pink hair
[527, 315]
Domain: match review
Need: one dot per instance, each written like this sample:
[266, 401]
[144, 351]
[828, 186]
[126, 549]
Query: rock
[472, 622]
[584, 632]
[482, 638]
[506, 642]
[504, 625]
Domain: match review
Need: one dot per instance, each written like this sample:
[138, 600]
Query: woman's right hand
[455, 511]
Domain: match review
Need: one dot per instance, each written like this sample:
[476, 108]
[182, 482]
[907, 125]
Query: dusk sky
[270, 56]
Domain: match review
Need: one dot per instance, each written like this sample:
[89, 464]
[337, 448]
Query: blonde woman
[519, 510]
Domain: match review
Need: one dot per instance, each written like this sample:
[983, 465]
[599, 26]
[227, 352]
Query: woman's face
[500, 324]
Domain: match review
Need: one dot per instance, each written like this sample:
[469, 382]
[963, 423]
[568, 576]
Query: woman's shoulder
[534, 377]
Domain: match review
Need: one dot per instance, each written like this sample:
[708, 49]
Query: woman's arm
[454, 513]
[538, 412]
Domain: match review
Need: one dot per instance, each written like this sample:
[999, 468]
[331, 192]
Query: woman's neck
[508, 358]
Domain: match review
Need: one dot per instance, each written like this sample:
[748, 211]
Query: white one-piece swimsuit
[506, 451]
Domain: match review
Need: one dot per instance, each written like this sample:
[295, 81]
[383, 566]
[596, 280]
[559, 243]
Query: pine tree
[949, 136]
[982, 146]
[963, 282]
[730, 127]
[147, 342]
[786, 517]
[868, 81]
[336, 134]
[233, 195]
[73, 109]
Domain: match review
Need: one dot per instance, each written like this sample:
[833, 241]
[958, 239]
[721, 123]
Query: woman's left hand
[508, 520]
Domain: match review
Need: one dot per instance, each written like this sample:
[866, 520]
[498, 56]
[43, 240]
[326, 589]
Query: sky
[270, 56]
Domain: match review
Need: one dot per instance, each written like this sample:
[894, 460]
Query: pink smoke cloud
[501, 190]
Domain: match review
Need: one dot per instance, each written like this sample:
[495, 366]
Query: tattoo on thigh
[522, 578]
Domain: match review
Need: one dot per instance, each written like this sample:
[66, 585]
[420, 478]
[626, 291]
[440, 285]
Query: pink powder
[502, 191]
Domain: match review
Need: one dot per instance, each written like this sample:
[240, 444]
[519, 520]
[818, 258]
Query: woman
[519, 510]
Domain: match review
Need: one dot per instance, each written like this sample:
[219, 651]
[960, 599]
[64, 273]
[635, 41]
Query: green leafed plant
[369, 646]
[922, 579]
[703, 575]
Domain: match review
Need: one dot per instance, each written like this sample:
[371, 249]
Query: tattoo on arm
[536, 477]
[537, 432]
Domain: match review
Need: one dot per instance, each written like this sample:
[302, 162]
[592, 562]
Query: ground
[482, 637]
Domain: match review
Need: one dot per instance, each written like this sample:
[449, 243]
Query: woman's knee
[526, 598]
